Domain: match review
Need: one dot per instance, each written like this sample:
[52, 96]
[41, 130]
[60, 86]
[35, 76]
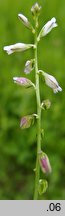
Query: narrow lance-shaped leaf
[47, 28]
[18, 47]
[26, 22]
[23, 82]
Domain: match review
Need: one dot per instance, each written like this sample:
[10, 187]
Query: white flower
[47, 28]
[29, 66]
[17, 47]
[52, 82]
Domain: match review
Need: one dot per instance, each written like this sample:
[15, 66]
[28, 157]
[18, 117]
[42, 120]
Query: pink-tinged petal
[23, 81]
[44, 162]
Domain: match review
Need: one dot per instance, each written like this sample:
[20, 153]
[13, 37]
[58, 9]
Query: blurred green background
[18, 147]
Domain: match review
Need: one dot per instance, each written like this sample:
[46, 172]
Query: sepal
[43, 185]
[45, 104]
[27, 121]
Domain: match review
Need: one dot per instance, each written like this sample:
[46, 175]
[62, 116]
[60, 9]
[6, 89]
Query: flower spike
[42, 160]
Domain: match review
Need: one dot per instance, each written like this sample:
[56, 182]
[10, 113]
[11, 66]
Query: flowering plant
[42, 160]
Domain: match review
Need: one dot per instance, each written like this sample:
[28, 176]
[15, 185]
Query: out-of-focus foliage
[18, 147]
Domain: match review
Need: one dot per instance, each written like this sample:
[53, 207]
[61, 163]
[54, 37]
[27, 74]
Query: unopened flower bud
[44, 162]
[27, 121]
[17, 47]
[26, 22]
[23, 82]
[45, 104]
[43, 185]
[47, 28]
[29, 66]
[35, 9]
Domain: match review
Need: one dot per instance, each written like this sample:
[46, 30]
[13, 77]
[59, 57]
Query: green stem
[37, 172]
